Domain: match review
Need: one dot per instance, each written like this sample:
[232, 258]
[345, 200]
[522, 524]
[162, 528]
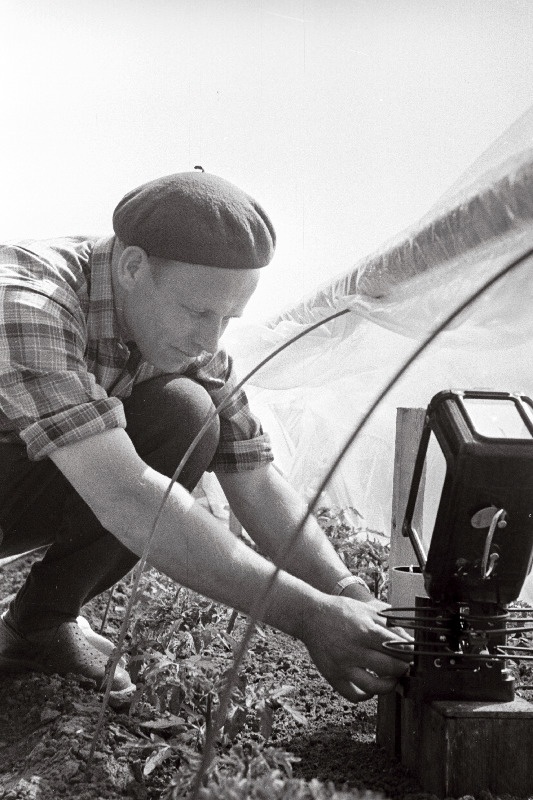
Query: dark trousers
[39, 507]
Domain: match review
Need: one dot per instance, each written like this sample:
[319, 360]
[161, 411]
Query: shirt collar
[102, 322]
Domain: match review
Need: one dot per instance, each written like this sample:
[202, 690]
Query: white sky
[345, 118]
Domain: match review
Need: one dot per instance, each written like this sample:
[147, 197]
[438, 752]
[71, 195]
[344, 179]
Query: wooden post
[402, 588]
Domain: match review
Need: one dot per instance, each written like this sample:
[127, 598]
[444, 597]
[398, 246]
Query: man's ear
[130, 264]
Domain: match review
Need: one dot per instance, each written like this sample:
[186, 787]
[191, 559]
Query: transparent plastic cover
[311, 397]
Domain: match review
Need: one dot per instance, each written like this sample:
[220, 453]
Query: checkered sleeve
[47, 396]
[243, 444]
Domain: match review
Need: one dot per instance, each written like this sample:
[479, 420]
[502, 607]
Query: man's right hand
[345, 640]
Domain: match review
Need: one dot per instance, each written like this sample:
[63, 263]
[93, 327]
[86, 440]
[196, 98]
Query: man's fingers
[385, 664]
[350, 651]
[380, 607]
[385, 634]
[401, 632]
[363, 685]
[397, 644]
[351, 692]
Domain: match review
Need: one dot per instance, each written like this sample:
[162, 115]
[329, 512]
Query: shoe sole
[23, 662]
[13, 666]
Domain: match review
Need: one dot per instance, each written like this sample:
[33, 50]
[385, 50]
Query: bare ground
[47, 725]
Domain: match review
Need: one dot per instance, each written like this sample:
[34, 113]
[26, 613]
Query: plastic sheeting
[311, 397]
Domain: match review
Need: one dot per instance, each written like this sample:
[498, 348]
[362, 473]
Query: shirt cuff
[72, 425]
[241, 456]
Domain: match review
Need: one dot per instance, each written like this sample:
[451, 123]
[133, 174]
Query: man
[109, 365]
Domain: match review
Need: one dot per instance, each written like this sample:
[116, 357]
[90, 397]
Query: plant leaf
[298, 716]
[167, 723]
[282, 691]
[156, 759]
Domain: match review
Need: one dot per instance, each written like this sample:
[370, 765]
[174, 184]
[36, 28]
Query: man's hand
[356, 591]
[345, 640]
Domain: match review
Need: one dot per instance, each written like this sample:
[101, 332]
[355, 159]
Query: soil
[47, 725]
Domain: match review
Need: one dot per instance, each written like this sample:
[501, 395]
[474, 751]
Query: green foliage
[274, 786]
[363, 555]
[179, 653]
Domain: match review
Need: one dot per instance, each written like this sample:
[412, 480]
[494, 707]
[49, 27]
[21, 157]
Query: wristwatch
[341, 585]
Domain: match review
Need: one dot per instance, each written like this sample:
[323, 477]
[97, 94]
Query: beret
[196, 218]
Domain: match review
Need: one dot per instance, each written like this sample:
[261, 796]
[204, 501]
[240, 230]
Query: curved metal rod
[515, 647]
[117, 653]
[260, 606]
[519, 629]
[405, 649]
[527, 611]
[415, 624]
[401, 648]
[390, 614]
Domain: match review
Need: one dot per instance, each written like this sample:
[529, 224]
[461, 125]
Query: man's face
[177, 312]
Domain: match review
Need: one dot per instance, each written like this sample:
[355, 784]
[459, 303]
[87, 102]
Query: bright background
[346, 118]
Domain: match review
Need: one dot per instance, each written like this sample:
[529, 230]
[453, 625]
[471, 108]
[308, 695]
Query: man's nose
[208, 333]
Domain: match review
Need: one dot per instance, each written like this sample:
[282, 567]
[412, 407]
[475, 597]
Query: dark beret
[196, 218]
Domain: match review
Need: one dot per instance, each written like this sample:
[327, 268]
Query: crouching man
[109, 364]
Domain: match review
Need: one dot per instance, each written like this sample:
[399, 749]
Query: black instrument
[481, 547]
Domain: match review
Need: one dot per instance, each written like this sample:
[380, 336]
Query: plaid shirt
[64, 367]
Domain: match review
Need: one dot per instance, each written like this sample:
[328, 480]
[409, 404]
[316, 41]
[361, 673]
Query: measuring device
[473, 486]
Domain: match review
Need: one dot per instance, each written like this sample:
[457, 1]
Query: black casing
[480, 472]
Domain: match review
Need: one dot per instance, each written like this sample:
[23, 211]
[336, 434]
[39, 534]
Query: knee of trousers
[163, 417]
